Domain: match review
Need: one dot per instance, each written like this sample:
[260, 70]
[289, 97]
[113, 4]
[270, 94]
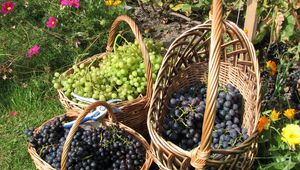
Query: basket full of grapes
[123, 72]
[204, 110]
[95, 145]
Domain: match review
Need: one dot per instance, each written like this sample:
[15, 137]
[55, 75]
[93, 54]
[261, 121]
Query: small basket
[231, 60]
[42, 165]
[135, 111]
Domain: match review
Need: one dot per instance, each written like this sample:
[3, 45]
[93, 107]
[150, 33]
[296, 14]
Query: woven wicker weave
[135, 111]
[42, 165]
[231, 60]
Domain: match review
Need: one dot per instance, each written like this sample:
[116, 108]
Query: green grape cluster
[120, 74]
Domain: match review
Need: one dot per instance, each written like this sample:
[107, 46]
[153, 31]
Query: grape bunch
[120, 74]
[107, 148]
[183, 124]
[183, 121]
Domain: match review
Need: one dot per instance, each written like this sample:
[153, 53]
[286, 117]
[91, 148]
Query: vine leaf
[186, 8]
[288, 28]
[177, 7]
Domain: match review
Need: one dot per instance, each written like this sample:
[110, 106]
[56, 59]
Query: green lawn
[34, 104]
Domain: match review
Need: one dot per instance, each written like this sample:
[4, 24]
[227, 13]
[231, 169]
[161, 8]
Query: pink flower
[13, 114]
[51, 23]
[33, 51]
[73, 3]
[7, 7]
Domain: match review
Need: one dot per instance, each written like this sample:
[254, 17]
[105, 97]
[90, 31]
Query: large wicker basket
[231, 60]
[134, 112]
[42, 165]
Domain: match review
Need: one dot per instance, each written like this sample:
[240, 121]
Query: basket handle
[202, 153]
[75, 126]
[138, 36]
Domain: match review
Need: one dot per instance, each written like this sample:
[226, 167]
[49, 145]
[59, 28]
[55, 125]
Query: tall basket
[134, 112]
[231, 60]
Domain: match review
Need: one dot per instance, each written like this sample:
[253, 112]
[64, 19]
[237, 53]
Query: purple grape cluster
[227, 132]
[182, 124]
[101, 148]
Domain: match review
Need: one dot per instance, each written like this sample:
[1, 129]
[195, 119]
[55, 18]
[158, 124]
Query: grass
[35, 102]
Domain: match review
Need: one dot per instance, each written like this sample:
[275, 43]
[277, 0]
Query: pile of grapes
[120, 74]
[183, 123]
[107, 148]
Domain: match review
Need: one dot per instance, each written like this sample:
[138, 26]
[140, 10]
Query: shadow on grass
[34, 102]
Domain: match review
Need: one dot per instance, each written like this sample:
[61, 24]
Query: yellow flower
[290, 113]
[291, 135]
[274, 115]
[112, 2]
[246, 31]
[262, 124]
[272, 66]
[109, 2]
[117, 2]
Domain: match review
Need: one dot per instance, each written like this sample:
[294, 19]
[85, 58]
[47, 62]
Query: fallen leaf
[14, 113]
[24, 85]
[279, 22]
[296, 4]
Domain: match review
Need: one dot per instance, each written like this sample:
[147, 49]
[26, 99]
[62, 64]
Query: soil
[158, 27]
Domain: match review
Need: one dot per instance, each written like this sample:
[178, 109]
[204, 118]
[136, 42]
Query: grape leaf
[177, 7]
[289, 28]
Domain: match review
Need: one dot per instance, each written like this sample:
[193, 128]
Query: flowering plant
[40, 36]
[280, 139]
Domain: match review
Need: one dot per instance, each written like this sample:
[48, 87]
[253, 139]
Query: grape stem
[115, 42]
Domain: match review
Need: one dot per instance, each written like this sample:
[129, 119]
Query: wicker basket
[231, 60]
[134, 111]
[42, 165]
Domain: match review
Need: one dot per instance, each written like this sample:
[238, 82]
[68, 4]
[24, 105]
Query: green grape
[95, 96]
[102, 98]
[124, 79]
[114, 95]
[82, 80]
[109, 89]
[124, 72]
[70, 81]
[74, 67]
[156, 67]
[119, 82]
[81, 66]
[87, 89]
[130, 97]
[56, 74]
[96, 92]
[139, 89]
[120, 74]
[57, 85]
[121, 64]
